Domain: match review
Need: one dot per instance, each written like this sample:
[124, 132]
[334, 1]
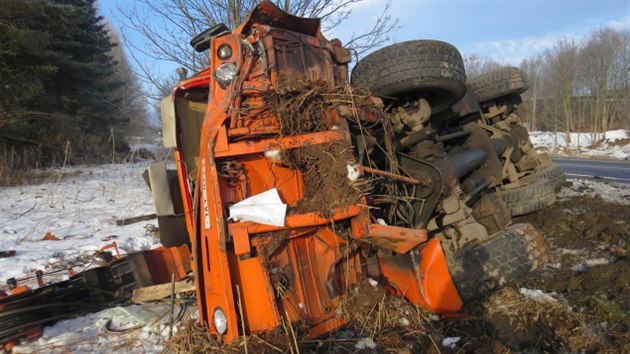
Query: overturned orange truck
[293, 185]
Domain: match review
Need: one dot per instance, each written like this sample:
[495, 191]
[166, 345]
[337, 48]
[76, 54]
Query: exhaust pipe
[467, 161]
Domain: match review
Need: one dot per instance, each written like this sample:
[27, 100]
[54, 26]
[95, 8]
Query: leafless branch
[166, 27]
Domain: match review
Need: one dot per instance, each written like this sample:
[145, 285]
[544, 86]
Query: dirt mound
[580, 302]
[589, 273]
[584, 222]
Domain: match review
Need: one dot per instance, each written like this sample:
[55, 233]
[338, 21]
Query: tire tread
[412, 65]
[498, 83]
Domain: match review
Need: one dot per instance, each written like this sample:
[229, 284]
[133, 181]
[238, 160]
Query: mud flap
[422, 277]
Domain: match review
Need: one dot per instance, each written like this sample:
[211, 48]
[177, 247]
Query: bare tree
[581, 87]
[561, 63]
[604, 75]
[478, 65]
[168, 25]
[533, 69]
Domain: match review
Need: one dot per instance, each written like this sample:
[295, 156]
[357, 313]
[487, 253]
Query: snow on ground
[145, 326]
[81, 211]
[612, 192]
[537, 295]
[614, 144]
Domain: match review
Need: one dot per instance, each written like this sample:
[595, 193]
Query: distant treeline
[575, 86]
[66, 90]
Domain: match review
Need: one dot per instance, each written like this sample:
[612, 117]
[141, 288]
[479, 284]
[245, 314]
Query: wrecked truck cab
[274, 116]
[302, 270]
[252, 275]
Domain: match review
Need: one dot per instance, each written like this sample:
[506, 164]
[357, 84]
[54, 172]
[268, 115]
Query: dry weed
[556, 320]
[192, 338]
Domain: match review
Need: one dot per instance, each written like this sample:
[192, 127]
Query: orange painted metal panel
[422, 277]
[256, 294]
[394, 238]
[257, 146]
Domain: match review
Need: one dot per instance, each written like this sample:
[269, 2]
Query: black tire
[507, 255]
[504, 82]
[431, 69]
[531, 197]
[553, 173]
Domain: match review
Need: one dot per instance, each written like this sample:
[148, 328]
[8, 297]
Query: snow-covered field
[147, 324]
[614, 144]
[81, 211]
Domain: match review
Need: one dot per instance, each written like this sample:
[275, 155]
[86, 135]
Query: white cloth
[264, 208]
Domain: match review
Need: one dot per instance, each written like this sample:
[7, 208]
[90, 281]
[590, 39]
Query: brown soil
[590, 272]
[585, 303]
[326, 184]
[621, 142]
[303, 106]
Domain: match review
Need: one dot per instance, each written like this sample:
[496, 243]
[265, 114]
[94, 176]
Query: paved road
[618, 171]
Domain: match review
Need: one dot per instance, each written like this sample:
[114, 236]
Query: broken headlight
[225, 73]
[219, 320]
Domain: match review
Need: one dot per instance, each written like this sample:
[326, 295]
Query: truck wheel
[506, 256]
[529, 198]
[431, 69]
[499, 83]
[552, 172]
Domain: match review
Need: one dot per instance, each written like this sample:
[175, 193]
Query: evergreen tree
[58, 81]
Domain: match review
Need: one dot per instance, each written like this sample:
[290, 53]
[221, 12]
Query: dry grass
[15, 165]
[394, 324]
[556, 320]
[192, 338]
[22, 167]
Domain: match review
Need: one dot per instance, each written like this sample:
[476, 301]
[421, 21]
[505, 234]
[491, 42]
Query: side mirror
[201, 41]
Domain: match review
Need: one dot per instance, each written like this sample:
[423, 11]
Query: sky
[507, 31]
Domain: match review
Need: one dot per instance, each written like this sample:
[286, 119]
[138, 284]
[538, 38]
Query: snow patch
[353, 172]
[611, 192]
[608, 144]
[365, 343]
[538, 295]
[80, 210]
[403, 321]
[88, 334]
[590, 263]
[450, 342]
